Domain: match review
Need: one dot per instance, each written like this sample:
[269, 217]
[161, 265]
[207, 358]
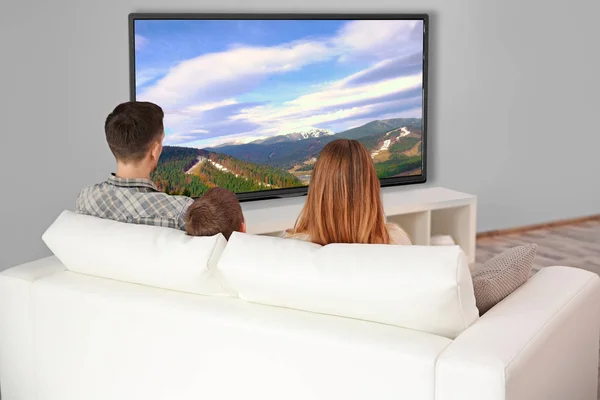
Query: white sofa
[68, 335]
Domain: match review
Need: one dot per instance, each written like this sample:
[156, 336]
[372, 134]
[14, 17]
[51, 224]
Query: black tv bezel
[299, 191]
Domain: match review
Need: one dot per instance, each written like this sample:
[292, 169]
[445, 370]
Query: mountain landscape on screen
[250, 104]
[286, 160]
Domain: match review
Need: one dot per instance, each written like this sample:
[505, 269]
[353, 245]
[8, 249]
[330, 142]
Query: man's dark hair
[131, 128]
[217, 211]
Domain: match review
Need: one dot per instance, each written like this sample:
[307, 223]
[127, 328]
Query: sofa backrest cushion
[417, 287]
[148, 255]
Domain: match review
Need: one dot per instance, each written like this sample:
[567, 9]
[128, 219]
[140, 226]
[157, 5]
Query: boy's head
[134, 132]
[217, 211]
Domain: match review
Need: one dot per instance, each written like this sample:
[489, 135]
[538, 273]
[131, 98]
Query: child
[217, 211]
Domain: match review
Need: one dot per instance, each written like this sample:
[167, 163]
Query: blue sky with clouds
[226, 81]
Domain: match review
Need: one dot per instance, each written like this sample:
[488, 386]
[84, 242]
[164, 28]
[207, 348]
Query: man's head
[134, 132]
[217, 211]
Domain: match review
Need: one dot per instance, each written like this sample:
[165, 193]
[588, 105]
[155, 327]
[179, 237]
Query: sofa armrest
[35, 270]
[541, 342]
[17, 377]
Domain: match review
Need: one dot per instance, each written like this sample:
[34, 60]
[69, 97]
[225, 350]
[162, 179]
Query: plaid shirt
[135, 201]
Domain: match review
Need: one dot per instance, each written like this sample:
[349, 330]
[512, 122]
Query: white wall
[513, 99]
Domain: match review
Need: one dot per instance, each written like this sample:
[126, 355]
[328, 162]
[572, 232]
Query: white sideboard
[422, 212]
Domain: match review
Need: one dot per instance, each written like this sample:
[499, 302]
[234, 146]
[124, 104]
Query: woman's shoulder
[397, 234]
[290, 234]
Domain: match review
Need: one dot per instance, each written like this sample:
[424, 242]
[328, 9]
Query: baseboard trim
[547, 225]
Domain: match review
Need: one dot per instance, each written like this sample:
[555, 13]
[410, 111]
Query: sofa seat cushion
[422, 288]
[148, 255]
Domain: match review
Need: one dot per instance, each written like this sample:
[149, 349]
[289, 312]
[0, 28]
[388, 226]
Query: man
[134, 132]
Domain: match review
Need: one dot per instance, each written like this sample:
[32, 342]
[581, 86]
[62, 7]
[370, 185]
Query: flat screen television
[250, 100]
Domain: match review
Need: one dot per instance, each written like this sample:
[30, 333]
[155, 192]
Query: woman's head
[343, 203]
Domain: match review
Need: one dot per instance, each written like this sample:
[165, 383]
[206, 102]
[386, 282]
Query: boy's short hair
[131, 128]
[217, 211]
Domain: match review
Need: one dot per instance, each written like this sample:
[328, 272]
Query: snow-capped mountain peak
[309, 132]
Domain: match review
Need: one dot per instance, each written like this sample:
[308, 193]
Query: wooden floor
[575, 245]
[569, 245]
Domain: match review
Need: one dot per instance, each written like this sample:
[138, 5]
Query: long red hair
[343, 203]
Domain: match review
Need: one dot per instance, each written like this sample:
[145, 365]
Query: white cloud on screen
[374, 38]
[144, 76]
[209, 106]
[140, 42]
[190, 136]
[338, 94]
[311, 109]
[332, 103]
[201, 92]
[217, 74]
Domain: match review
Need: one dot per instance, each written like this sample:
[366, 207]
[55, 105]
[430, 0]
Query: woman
[343, 203]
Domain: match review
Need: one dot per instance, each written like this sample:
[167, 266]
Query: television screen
[250, 101]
